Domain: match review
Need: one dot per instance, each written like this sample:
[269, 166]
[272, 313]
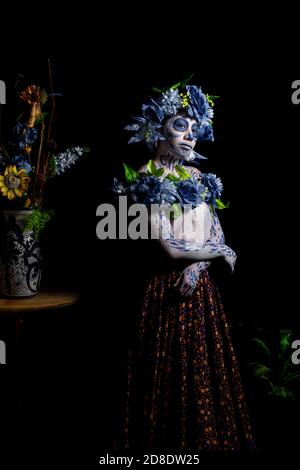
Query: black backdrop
[254, 153]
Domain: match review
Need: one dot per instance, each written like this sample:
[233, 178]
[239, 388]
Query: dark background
[255, 150]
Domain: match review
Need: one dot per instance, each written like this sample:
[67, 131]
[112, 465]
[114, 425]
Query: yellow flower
[14, 182]
[185, 100]
[209, 100]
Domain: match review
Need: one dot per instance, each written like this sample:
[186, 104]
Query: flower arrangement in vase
[27, 162]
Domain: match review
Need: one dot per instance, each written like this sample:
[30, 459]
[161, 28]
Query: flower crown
[179, 98]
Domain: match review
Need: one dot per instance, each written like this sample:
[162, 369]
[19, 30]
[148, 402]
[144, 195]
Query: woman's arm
[161, 229]
[182, 250]
[188, 278]
[217, 233]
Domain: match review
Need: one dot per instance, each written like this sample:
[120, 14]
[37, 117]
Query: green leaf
[282, 392]
[180, 84]
[151, 167]
[130, 174]
[260, 370]
[262, 345]
[41, 117]
[51, 170]
[177, 210]
[220, 205]
[182, 172]
[288, 365]
[187, 80]
[177, 85]
[213, 97]
[154, 88]
[159, 172]
[171, 177]
[152, 170]
[285, 340]
[38, 221]
[291, 377]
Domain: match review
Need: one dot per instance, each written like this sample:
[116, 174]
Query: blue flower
[169, 193]
[198, 106]
[118, 187]
[148, 126]
[214, 187]
[206, 133]
[150, 190]
[170, 102]
[153, 112]
[64, 160]
[24, 136]
[145, 130]
[190, 192]
[21, 162]
[3, 160]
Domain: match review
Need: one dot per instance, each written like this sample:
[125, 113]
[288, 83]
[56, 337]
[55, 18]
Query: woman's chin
[189, 157]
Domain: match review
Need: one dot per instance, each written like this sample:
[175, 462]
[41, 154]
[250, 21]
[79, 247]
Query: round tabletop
[46, 299]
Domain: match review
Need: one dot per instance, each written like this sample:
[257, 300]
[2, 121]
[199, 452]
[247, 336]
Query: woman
[183, 386]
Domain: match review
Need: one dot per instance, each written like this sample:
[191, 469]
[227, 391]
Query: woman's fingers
[183, 286]
[186, 288]
[182, 289]
[178, 280]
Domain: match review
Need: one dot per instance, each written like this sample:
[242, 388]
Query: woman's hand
[230, 258]
[186, 282]
[188, 279]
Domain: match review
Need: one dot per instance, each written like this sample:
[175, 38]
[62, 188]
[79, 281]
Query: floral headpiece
[179, 98]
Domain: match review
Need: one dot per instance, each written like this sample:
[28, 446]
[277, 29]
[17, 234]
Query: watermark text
[157, 222]
[2, 92]
[296, 93]
[2, 352]
[296, 354]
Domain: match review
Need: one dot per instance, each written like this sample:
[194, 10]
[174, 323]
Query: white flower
[170, 101]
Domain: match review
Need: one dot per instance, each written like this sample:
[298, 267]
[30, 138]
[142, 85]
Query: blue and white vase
[20, 256]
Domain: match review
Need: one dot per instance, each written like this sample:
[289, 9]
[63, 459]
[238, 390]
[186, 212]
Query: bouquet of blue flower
[30, 156]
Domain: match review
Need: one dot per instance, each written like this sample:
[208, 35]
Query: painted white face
[181, 135]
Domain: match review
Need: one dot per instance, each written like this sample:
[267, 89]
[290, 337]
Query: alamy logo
[296, 94]
[296, 354]
[2, 92]
[119, 226]
[2, 352]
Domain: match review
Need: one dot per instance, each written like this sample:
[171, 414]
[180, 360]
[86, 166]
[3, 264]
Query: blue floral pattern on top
[148, 189]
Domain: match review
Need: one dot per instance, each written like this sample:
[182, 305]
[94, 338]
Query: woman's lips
[186, 146]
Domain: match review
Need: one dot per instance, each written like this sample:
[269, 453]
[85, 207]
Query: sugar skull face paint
[181, 134]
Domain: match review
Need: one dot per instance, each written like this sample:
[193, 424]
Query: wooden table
[45, 300]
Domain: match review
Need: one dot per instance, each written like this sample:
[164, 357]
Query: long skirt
[183, 386]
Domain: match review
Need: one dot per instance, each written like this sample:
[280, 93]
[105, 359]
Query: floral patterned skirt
[183, 387]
